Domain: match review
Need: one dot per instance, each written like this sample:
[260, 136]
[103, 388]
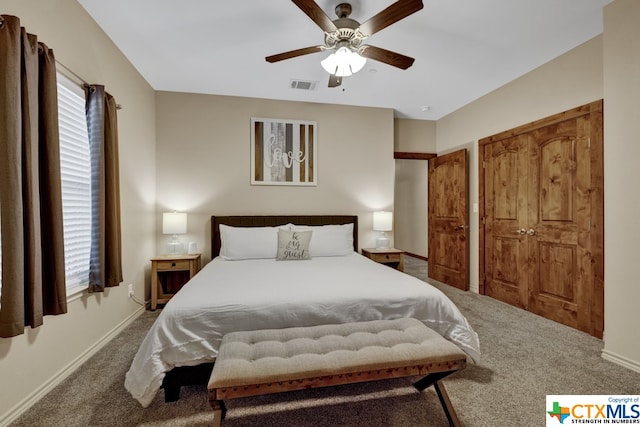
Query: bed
[319, 279]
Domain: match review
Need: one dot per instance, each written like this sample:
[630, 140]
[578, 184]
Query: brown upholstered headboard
[275, 220]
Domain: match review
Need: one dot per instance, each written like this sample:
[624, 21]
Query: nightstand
[391, 257]
[169, 273]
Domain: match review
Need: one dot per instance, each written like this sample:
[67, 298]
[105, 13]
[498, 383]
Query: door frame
[596, 199]
[411, 155]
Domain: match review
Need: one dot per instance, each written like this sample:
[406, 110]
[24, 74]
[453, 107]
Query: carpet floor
[524, 358]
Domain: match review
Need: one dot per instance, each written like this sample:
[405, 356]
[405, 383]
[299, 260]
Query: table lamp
[174, 223]
[382, 222]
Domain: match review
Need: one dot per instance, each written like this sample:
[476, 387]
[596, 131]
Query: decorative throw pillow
[293, 245]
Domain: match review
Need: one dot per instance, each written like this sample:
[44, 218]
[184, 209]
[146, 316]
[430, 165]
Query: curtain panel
[105, 265]
[33, 271]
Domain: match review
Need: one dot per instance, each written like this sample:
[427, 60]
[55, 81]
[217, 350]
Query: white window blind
[75, 169]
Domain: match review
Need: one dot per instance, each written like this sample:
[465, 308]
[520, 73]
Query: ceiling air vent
[303, 84]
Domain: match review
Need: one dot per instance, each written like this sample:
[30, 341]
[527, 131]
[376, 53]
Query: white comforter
[230, 296]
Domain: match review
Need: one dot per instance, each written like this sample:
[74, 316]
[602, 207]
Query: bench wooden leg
[452, 417]
[435, 380]
[219, 411]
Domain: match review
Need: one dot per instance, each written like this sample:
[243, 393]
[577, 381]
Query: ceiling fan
[344, 36]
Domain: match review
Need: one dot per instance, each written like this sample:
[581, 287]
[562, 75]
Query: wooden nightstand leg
[154, 286]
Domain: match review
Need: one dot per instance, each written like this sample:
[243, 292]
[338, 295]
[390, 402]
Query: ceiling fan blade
[317, 15]
[334, 81]
[397, 11]
[388, 57]
[293, 53]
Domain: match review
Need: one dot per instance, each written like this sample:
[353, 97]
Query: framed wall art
[284, 152]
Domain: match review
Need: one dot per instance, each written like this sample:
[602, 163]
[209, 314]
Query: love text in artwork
[276, 155]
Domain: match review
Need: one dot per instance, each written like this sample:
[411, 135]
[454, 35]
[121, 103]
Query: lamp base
[174, 247]
[382, 242]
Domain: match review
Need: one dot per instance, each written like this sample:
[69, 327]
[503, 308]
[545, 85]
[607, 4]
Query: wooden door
[558, 230]
[507, 189]
[448, 219]
[541, 236]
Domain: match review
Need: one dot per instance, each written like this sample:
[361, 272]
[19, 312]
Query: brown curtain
[105, 265]
[33, 271]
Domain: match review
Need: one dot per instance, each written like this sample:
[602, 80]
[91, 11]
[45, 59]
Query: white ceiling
[463, 49]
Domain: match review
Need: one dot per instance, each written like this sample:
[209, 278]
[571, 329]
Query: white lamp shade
[343, 63]
[174, 223]
[382, 221]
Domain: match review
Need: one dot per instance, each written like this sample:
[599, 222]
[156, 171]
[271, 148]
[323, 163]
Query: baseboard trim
[625, 362]
[26, 403]
[424, 258]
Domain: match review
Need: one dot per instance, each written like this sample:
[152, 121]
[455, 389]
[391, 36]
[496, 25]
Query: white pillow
[248, 242]
[329, 240]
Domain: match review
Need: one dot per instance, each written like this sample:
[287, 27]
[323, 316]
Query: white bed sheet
[228, 296]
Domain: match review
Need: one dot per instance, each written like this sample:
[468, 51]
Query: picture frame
[284, 152]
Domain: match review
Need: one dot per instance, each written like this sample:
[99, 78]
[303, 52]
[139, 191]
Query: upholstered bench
[275, 360]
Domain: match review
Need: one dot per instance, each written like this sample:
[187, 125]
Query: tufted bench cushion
[275, 360]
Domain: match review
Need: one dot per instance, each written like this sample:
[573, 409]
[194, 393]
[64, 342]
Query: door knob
[460, 227]
[521, 231]
[531, 232]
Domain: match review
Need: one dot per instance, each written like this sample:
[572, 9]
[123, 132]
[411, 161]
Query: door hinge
[484, 164]
[589, 225]
[484, 220]
[589, 142]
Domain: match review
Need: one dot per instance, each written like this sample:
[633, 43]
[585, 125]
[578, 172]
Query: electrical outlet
[130, 290]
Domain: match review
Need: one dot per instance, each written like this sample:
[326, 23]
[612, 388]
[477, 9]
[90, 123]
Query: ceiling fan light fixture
[344, 62]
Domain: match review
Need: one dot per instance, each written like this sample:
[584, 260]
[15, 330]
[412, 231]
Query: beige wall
[568, 81]
[203, 162]
[621, 175]
[30, 363]
[410, 192]
[414, 136]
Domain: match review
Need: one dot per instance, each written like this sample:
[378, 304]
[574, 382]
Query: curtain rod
[84, 82]
[118, 106]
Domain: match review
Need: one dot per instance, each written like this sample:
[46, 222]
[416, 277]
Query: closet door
[558, 229]
[507, 269]
[542, 240]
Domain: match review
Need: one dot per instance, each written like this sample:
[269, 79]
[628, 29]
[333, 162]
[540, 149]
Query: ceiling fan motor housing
[347, 30]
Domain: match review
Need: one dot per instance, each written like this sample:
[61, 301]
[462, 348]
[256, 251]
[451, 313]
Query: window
[75, 170]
